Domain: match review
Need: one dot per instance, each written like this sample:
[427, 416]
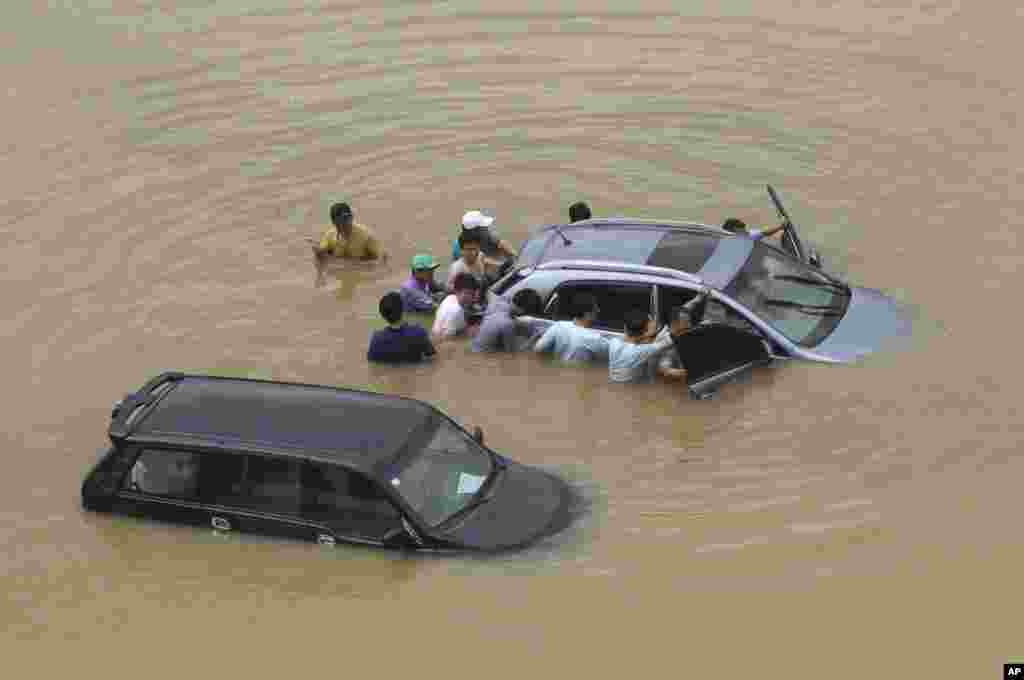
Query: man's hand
[673, 373]
[504, 247]
[679, 326]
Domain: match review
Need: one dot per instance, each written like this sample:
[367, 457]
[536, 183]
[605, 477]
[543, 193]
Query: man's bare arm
[504, 247]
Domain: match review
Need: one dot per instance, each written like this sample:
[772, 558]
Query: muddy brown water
[163, 162]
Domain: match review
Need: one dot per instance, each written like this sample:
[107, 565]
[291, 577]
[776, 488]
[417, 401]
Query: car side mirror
[478, 435]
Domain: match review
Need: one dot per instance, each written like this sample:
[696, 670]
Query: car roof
[710, 254]
[681, 246]
[356, 428]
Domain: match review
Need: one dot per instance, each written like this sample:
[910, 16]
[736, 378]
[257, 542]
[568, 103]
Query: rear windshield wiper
[815, 310]
[801, 279]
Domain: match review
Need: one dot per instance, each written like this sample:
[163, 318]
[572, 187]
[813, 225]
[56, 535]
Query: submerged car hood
[527, 504]
[872, 321]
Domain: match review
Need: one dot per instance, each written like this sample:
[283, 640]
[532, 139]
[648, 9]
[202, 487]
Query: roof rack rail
[621, 221]
[625, 267]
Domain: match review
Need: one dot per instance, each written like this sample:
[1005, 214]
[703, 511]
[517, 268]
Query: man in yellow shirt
[345, 238]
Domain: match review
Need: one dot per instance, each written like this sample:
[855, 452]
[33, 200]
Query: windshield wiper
[802, 279]
[814, 310]
[481, 498]
[476, 502]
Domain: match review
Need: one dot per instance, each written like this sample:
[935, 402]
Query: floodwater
[163, 162]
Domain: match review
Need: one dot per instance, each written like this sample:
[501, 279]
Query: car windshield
[799, 301]
[444, 475]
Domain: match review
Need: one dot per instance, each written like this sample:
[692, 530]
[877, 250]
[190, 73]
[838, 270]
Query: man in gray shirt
[575, 340]
[502, 330]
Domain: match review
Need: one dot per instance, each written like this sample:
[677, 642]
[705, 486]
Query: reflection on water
[166, 163]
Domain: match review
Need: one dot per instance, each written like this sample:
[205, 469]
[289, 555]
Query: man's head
[423, 267]
[391, 307]
[341, 217]
[527, 302]
[734, 225]
[469, 246]
[579, 211]
[466, 289]
[584, 308]
[638, 324]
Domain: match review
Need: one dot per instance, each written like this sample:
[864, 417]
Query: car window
[272, 484]
[346, 501]
[613, 301]
[250, 482]
[670, 297]
[165, 472]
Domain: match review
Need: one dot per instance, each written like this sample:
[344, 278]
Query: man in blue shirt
[399, 343]
[575, 341]
[634, 358]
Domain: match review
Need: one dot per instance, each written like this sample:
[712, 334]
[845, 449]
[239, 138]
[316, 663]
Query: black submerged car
[317, 463]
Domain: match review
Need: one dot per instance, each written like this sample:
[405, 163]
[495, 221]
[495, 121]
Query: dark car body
[765, 301]
[316, 463]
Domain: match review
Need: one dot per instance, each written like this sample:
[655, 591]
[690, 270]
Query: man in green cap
[420, 293]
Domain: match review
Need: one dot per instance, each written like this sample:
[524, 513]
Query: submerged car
[317, 463]
[764, 302]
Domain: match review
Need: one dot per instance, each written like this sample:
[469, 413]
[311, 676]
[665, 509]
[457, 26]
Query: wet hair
[468, 236]
[391, 307]
[636, 322]
[734, 225]
[579, 211]
[464, 281]
[528, 302]
[582, 304]
[339, 213]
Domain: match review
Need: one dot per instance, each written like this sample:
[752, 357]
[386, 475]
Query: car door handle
[220, 523]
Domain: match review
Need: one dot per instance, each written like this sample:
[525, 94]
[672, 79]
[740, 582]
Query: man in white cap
[476, 223]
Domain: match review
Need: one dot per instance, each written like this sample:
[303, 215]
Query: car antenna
[565, 239]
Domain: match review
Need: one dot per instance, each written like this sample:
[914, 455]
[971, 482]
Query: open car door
[715, 353]
[791, 242]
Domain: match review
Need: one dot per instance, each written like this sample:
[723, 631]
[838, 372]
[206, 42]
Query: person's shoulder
[448, 306]
[414, 330]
